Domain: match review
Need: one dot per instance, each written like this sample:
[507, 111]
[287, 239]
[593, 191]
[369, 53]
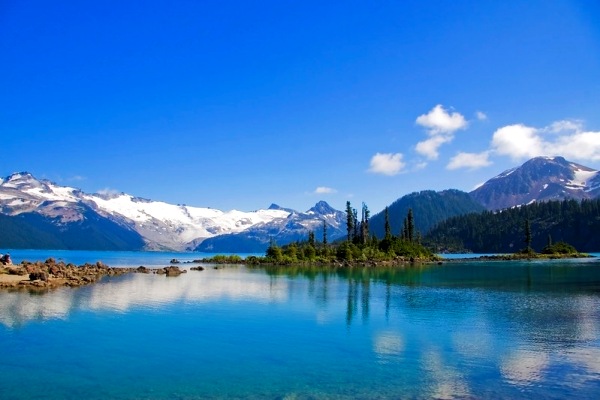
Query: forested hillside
[35, 231]
[577, 223]
[428, 207]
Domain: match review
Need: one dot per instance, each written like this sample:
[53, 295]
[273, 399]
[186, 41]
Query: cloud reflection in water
[138, 290]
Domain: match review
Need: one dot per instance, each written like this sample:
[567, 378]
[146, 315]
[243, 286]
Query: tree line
[360, 244]
[540, 223]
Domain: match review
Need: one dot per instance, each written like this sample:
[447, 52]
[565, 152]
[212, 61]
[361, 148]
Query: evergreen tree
[324, 233]
[528, 235]
[364, 225]
[576, 223]
[349, 221]
[355, 225]
[311, 238]
[388, 228]
[410, 223]
[274, 252]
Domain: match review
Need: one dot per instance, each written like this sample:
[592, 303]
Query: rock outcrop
[51, 274]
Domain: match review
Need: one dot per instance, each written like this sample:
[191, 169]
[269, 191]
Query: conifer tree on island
[349, 220]
[359, 246]
[388, 228]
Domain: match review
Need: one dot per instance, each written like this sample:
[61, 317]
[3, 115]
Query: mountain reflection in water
[462, 329]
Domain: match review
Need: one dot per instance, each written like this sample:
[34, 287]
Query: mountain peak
[21, 181]
[323, 208]
[19, 176]
[539, 179]
[274, 206]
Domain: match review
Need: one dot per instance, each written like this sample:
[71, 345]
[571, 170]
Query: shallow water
[463, 329]
[111, 258]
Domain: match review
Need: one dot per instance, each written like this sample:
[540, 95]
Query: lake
[459, 330]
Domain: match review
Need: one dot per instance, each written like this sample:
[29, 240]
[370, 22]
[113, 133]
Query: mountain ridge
[162, 225]
[539, 179]
[46, 208]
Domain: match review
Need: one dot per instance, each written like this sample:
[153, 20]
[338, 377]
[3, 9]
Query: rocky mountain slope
[159, 224]
[294, 227]
[539, 179]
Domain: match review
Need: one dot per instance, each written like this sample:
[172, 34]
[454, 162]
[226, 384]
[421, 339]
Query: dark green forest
[570, 221]
[429, 208]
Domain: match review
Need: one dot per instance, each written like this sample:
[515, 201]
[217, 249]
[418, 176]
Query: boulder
[38, 275]
[173, 271]
[17, 271]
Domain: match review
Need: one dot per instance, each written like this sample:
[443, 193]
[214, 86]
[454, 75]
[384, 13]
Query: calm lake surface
[459, 330]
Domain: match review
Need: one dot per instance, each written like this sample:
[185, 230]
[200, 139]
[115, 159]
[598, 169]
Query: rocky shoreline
[51, 274]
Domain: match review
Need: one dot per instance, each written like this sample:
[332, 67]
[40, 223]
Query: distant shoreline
[51, 274]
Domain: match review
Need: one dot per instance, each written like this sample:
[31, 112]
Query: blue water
[463, 329]
[111, 258]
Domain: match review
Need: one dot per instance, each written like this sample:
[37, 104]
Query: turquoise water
[460, 330]
[111, 258]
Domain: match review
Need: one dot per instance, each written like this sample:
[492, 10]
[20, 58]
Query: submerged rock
[174, 271]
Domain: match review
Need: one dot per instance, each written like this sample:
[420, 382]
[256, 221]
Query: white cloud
[481, 115]
[517, 141]
[568, 140]
[419, 166]
[387, 164]
[469, 160]
[565, 126]
[324, 190]
[76, 178]
[578, 146]
[438, 120]
[440, 125]
[430, 147]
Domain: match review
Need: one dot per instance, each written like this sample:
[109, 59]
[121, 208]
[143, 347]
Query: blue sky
[236, 105]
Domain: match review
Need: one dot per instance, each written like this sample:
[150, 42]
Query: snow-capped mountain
[294, 227]
[162, 225]
[539, 179]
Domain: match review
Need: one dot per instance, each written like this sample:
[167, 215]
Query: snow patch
[193, 222]
[505, 174]
[582, 177]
